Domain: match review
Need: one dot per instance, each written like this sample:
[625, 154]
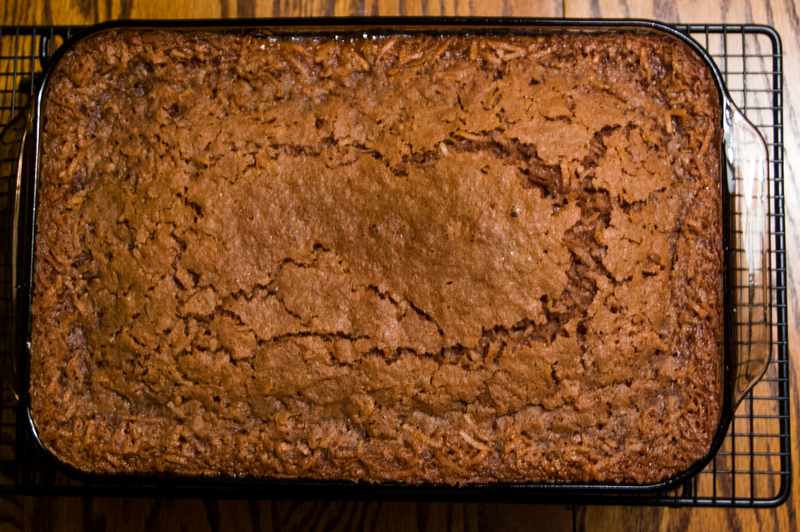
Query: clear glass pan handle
[747, 181]
[12, 154]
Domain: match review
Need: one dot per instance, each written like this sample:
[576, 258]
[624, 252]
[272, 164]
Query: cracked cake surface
[422, 259]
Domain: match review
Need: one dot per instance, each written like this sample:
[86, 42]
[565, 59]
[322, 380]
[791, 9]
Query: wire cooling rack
[751, 469]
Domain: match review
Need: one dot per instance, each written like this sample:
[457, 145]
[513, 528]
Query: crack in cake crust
[421, 259]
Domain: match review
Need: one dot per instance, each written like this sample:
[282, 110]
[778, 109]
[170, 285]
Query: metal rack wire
[752, 468]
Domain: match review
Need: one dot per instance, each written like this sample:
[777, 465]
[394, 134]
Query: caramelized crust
[422, 259]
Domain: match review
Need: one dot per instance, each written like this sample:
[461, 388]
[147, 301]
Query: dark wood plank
[91, 11]
[67, 514]
[12, 513]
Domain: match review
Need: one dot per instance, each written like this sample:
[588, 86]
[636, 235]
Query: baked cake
[448, 259]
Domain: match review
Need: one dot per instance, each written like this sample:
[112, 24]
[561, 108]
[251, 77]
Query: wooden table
[200, 515]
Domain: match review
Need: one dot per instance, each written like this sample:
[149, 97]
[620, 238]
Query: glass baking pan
[747, 342]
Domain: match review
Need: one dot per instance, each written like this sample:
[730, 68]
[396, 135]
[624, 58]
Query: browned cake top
[419, 258]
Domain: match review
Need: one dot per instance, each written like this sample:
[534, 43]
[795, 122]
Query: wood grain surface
[66, 513]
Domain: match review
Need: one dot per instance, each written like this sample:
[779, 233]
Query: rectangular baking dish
[745, 320]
